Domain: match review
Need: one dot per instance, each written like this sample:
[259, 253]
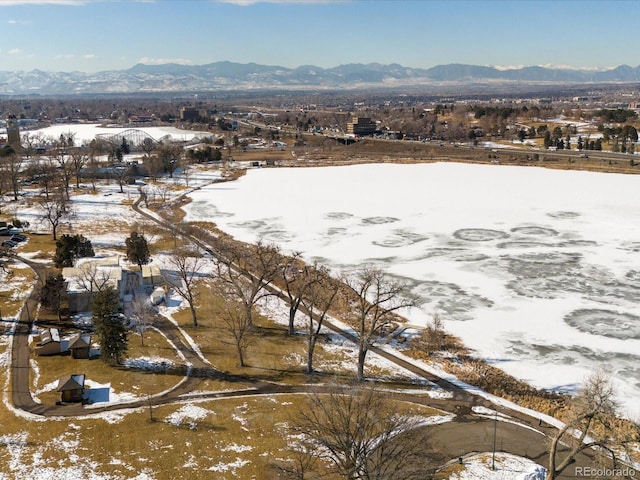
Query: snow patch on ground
[507, 467]
[189, 415]
[152, 364]
[232, 466]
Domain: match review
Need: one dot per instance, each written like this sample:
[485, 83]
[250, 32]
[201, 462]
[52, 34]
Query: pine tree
[137, 249]
[52, 293]
[109, 324]
[69, 248]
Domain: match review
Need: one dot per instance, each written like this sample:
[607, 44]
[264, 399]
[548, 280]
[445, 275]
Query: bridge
[134, 137]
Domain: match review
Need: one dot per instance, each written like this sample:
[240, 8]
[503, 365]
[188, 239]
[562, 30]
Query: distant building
[13, 132]
[361, 126]
[189, 113]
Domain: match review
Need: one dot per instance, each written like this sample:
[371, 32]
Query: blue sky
[94, 35]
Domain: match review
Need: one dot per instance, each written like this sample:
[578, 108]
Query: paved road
[472, 434]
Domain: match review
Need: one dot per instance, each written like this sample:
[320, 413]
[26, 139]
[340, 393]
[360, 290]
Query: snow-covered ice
[537, 270]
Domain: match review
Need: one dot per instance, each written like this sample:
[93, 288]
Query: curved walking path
[521, 435]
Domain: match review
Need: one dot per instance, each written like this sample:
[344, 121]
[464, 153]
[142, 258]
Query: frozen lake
[536, 270]
[84, 133]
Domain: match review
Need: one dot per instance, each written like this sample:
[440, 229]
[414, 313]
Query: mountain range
[221, 76]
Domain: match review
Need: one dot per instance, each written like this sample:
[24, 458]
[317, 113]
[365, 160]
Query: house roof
[150, 270]
[71, 382]
[74, 275]
[80, 340]
[50, 335]
[102, 261]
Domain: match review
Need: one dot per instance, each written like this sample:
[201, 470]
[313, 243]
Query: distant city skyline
[95, 35]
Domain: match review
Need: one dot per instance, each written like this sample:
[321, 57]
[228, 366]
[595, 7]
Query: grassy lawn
[14, 288]
[47, 370]
[221, 439]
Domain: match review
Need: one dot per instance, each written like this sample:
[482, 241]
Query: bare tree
[186, 173]
[93, 279]
[43, 171]
[65, 169]
[235, 321]
[78, 160]
[4, 185]
[358, 434]
[591, 423]
[318, 300]
[154, 166]
[247, 272]
[169, 156]
[30, 141]
[377, 297]
[92, 170]
[299, 465]
[148, 146]
[187, 267]
[432, 338]
[54, 210]
[122, 174]
[297, 280]
[11, 168]
[142, 314]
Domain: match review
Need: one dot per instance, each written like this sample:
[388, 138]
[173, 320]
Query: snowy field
[537, 270]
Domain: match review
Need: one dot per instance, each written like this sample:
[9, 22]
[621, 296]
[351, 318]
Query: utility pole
[493, 456]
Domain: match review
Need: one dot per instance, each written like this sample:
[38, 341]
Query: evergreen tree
[69, 248]
[598, 144]
[137, 249]
[522, 134]
[124, 146]
[109, 324]
[52, 292]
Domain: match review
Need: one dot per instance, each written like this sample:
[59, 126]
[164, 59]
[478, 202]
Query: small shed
[151, 276]
[79, 345]
[48, 342]
[71, 388]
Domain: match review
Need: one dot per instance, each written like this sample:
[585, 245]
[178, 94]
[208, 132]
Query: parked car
[18, 237]
[9, 243]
